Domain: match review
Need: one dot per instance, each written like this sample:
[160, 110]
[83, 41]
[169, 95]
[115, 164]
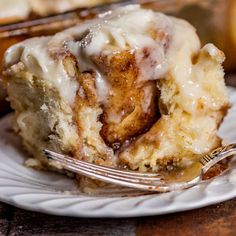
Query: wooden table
[216, 220]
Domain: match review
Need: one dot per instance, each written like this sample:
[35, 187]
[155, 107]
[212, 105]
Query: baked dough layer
[131, 88]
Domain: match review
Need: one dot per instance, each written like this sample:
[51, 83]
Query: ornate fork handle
[217, 155]
[144, 181]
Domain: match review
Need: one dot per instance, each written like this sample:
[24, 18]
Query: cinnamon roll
[130, 88]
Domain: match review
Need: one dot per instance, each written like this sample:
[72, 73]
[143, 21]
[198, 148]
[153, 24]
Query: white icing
[179, 61]
[146, 99]
[14, 9]
[102, 87]
[189, 77]
[44, 7]
[34, 54]
[214, 52]
[21, 9]
[127, 28]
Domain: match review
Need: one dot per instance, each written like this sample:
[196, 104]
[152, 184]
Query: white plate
[56, 194]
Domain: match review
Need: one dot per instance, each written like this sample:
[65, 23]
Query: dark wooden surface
[216, 220]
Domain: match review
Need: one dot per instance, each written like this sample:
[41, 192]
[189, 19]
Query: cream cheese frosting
[34, 54]
[45, 7]
[127, 28]
[123, 28]
[14, 9]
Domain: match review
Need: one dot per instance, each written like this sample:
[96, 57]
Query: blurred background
[215, 21]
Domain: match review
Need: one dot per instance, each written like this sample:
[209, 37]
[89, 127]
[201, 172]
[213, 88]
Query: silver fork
[144, 181]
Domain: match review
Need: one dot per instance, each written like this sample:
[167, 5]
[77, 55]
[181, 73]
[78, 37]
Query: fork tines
[107, 174]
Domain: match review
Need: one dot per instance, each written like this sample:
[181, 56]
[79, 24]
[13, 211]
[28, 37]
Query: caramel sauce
[175, 175]
[184, 174]
[217, 169]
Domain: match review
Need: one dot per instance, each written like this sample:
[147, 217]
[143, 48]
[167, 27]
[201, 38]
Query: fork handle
[217, 155]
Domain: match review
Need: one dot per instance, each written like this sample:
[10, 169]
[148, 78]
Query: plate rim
[109, 213]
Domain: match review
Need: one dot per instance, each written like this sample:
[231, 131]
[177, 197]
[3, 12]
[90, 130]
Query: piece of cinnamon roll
[131, 88]
[17, 10]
